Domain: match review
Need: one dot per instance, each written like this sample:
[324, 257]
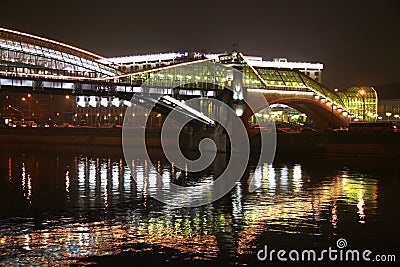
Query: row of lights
[388, 115]
[361, 92]
[109, 115]
[330, 103]
[67, 97]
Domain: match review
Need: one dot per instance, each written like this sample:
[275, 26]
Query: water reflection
[76, 206]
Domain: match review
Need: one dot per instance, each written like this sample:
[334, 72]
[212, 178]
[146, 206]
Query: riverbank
[340, 143]
[330, 143]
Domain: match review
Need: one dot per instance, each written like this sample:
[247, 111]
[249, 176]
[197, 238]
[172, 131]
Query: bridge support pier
[190, 139]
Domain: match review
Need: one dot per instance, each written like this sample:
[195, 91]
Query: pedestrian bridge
[30, 63]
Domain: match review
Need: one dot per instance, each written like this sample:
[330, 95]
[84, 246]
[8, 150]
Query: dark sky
[358, 41]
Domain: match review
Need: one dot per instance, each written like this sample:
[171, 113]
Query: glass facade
[361, 102]
[22, 54]
[195, 76]
[250, 78]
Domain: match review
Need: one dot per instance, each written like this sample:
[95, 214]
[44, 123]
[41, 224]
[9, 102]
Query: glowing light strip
[138, 59]
[155, 69]
[286, 86]
[186, 107]
[213, 56]
[49, 76]
[286, 65]
[280, 92]
[145, 58]
[55, 43]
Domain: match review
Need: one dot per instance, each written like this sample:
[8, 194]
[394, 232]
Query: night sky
[358, 41]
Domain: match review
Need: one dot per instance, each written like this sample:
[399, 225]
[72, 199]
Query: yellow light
[23, 99]
[362, 92]
[272, 91]
[29, 95]
[67, 97]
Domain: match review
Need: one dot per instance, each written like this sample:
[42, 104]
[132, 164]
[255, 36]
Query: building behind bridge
[389, 102]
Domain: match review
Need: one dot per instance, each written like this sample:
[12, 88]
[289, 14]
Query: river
[79, 207]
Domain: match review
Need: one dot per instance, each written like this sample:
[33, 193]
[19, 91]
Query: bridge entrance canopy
[362, 102]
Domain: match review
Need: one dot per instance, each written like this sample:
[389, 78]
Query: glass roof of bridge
[284, 79]
[25, 46]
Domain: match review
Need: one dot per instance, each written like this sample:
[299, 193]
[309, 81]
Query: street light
[29, 107]
[362, 94]
[120, 118]
[396, 116]
[388, 114]
[68, 110]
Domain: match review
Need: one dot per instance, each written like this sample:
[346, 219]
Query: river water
[81, 207]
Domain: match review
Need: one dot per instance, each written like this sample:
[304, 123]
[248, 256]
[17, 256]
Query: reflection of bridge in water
[108, 212]
[33, 64]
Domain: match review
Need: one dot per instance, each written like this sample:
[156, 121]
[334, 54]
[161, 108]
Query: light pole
[68, 110]
[388, 114]
[120, 119]
[362, 94]
[396, 116]
[29, 107]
